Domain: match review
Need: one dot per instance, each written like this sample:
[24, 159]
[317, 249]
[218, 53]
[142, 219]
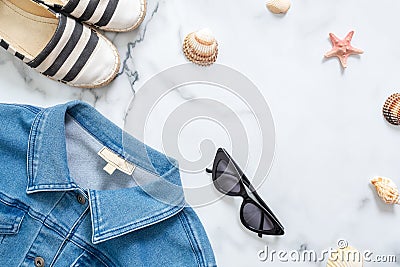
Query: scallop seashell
[345, 257]
[278, 6]
[391, 109]
[201, 47]
[387, 190]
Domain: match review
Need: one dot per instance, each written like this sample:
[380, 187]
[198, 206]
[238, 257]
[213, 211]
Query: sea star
[342, 48]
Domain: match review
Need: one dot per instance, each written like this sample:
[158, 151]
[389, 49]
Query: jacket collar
[139, 206]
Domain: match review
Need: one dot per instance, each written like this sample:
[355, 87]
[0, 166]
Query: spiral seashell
[345, 257]
[391, 109]
[278, 6]
[387, 190]
[201, 47]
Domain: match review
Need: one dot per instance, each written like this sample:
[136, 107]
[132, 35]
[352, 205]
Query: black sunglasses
[229, 179]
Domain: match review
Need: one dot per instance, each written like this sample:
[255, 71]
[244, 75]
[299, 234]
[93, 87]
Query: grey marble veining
[128, 67]
[330, 135]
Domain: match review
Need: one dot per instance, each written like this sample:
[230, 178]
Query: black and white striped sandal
[108, 15]
[56, 45]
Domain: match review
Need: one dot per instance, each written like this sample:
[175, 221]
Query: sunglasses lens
[256, 218]
[227, 178]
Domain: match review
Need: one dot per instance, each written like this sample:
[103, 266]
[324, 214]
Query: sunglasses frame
[243, 181]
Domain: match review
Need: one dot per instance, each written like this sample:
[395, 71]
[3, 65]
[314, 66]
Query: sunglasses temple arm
[208, 170]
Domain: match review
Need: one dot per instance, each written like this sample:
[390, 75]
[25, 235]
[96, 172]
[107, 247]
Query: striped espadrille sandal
[108, 15]
[56, 45]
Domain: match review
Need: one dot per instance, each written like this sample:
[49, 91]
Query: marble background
[330, 135]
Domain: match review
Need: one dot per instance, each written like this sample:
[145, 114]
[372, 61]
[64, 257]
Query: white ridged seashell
[278, 6]
[386, 189]
[346, 257]
[201, 47]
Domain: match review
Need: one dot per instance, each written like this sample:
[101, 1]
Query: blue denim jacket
[58, 207]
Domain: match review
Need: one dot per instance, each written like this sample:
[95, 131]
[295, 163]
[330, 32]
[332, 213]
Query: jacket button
[39, 262]
[81, 199]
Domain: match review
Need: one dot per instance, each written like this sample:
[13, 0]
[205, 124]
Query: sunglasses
[229, 179]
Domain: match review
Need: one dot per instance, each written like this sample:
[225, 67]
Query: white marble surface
[331, 136]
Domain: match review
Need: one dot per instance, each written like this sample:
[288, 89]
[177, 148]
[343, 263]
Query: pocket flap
[10, 219]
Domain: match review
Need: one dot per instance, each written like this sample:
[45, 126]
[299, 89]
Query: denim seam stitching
[35, 134]
[30, 108]
[47, 186]
[198, 244]
[131, 227]
[44, 222]
[30, 247]
[96, 212]
[24, 209]
[75, 261]
[93, 253]
[20, 222]
[71, 231]
[43, 219]
[56, 203]
[163, 214]
[58, 230]
[62, 235]
[40, 217]
[69, 184]
[196, 241]
[30, 153]
[33, 141]
[93, 250]
[16, 225]
[55, 226]
[189, 239]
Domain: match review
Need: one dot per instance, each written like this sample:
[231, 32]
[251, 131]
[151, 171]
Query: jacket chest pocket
[10, 220]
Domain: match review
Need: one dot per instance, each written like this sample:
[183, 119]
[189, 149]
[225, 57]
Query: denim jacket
[77, 191]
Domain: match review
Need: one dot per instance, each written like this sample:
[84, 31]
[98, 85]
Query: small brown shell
[201, 47]
[278, 6]
[387, 190]
[391, 109]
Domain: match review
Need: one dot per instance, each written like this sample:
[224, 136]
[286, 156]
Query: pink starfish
[342, 48]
